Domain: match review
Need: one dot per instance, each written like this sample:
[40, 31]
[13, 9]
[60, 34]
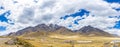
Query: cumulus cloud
[26, 13]
[115, 5]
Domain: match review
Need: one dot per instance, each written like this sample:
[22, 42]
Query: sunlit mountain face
[72, 14]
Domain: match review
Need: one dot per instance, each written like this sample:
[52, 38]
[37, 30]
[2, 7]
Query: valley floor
[63, 41]
[73, 41]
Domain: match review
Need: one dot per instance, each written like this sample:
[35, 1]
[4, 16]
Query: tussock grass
[21, 41]
[68, 41]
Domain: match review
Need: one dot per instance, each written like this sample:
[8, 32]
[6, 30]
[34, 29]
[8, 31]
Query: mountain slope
[44, 30]
[91, 31]
[41, 28]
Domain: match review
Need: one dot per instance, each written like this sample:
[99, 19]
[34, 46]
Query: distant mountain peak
[88, 30]
[49, 27]
[42, 26]
[54, 28]
[85, 29]
[89, 26]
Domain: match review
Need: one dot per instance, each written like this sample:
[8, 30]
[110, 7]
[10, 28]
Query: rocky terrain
[51, 35]
[50, 29]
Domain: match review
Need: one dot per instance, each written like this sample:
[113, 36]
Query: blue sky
[73, 14]
[2, 28]
[113, 1]
[3, 16]
[117, 25]
[81, 13]
[1, 7]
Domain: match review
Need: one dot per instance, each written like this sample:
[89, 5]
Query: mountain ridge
[53, 28]
[89, 30]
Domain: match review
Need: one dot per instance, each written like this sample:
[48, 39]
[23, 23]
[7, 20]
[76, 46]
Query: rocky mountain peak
[86, 30]
[89, 30]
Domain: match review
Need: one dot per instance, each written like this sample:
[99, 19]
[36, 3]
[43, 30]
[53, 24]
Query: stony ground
[73, 41]
[3, 40]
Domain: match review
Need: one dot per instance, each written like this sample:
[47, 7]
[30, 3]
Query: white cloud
[115, 5]
[28, 13]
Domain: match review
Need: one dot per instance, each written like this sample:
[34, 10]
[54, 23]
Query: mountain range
[44, 30]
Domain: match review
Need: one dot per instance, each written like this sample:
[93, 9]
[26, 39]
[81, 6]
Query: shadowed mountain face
[91, 31]
[43, 28]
